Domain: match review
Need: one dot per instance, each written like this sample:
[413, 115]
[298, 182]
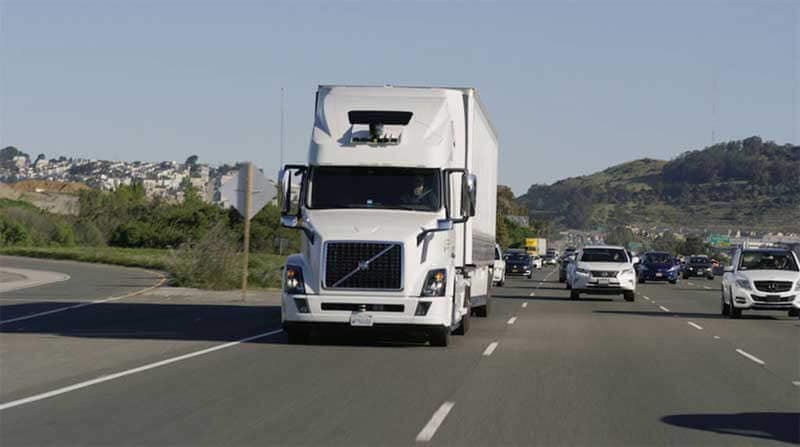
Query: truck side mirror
[291, 194]
[469, 194]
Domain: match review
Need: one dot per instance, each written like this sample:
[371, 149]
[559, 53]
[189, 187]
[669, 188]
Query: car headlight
[797, 286]
[743, 283]
[435, 283]
[293, 280]
[582, 271]
[674, 268]
[627, 272]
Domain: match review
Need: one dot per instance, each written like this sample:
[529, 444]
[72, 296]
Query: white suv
[602, 270]
[762, 279]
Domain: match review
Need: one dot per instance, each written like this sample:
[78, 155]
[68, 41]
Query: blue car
[658, 266]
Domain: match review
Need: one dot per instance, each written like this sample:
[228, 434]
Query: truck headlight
[293, 280]
[743, 283]
[435, 283]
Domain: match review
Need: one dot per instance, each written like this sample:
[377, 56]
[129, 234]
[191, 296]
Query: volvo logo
[363, 265]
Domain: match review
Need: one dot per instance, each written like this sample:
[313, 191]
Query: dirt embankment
[55, 197]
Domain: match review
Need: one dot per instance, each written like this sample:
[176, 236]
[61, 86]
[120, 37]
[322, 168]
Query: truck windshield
[416, 189]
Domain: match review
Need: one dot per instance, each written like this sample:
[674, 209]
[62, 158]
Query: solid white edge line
[89, 303]
[525, 304]
[707, 288]
[796, 382]
[751, 357]
[716, 337]
[427, 432]
[512, 320]
[490, 349]
[690, 283]
[663, 308]
[695, 325]
[106, 378]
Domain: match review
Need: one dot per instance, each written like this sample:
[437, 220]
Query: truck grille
[354, 265]
[603, 274]
[773, 286]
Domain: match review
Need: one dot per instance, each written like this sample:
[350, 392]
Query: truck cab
[395, 230]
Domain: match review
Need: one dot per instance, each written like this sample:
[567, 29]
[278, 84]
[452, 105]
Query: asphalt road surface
[151, 369]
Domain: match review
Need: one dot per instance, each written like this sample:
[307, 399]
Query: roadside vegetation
[197, 243]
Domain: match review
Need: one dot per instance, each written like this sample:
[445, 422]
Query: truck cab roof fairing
[428, 138]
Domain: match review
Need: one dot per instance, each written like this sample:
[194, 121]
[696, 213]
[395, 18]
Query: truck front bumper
[337, 309]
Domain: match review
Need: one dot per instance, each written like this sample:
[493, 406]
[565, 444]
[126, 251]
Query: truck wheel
[641, 280]
[629, 296]
[734, 312]
[298, 336]
[502, 283]
[439, 336]
[463, 328]
[482, 311]
[726, 309]
[685, 276]
[710, 278]
[794, 312]
[673, 281]
[574, 294]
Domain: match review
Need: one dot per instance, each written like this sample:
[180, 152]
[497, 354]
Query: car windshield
[765, 260]
[604, 255]
[518, 258]
[658, 258]
[369, 187]
[699, 260]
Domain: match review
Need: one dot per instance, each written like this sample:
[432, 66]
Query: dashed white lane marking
[490, 349]
[690, 283]
[695, 325]
[646, 297]
[796, 383]
[90, 303]
[663, 308]
[512, 320]
[751, 357]
[532, 294]
[716, 337]
[427, 432]
[101, 379]
[525, 304]
[707, 288]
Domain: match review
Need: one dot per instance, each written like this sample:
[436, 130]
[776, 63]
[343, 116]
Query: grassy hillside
[740, 184]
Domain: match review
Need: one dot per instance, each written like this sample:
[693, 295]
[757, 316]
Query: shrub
[213, 262]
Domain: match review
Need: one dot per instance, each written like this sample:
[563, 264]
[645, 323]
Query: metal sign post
[248, 191]
[247, 206]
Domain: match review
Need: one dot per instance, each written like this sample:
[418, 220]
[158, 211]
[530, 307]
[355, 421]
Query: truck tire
[482, 311]
[439, 336]
[725, 308]
[629, 296]
[463, 327]
[794, 312]
[574, 294]
[298, 335]
[642, 280]
[734, 313]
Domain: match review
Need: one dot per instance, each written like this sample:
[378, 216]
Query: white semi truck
[397, 212]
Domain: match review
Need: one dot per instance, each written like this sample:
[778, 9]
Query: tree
[192, 160]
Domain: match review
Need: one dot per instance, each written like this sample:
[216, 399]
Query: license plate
[361, 320]
[659, 275]
[603, 281]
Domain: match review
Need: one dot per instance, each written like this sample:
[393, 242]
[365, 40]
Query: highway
[155, 368]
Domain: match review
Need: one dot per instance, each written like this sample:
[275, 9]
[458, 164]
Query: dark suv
[518, 264]
[698, 265]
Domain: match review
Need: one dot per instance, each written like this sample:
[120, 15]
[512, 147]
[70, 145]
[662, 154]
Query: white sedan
[602, 270]
[761, 279]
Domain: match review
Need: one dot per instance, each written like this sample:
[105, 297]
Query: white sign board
[262, 192]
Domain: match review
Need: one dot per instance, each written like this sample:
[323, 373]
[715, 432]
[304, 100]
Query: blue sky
[572, 87]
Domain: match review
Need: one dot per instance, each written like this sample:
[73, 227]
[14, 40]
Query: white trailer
[397, 208]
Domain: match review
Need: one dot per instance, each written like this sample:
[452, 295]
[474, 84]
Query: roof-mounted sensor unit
[377, 126]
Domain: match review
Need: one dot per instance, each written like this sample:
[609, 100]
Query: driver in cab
[421, 195]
